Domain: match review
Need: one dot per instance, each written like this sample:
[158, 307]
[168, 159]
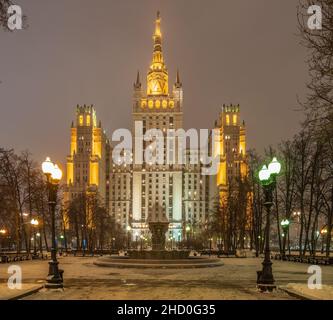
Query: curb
[156, 266]
[26, 293]
[296, 294]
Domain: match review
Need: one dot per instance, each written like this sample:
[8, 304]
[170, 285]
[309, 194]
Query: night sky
[88, 52]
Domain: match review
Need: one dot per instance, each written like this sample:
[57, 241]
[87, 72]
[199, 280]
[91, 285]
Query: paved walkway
[235, 280]
[26, 289]
[302, 290]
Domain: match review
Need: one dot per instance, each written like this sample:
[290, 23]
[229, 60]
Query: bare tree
[320, 44]
[286, 186]
[254, 162]
[319, 107]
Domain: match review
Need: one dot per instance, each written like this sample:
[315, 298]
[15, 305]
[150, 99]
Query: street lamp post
[3, 233]
[188, 229]
[53, 175]
[38, 235]
[128, 236]
[136, 240]
[34, 223]
[179, 237]
[267, 177]
[141, 242]
[323, 233]
[297, 216]
[285, 227]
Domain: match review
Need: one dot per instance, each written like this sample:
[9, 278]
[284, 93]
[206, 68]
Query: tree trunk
[329, 226]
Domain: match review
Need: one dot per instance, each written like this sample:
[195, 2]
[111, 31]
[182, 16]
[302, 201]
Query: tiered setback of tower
[87, 164]
[134, 192]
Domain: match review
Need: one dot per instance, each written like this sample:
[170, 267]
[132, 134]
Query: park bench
[15, 257]
[303, 259]
[4, 259]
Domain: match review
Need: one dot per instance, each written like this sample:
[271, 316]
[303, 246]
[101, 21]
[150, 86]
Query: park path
[236, 279]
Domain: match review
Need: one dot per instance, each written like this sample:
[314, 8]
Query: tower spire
[158, 24]
[157, 37]
[157, 78]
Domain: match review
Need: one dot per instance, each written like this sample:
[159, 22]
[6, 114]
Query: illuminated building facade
[120, 193]
[231, 179]
[230, 146]
[87, 169]
[196, 197]
[156, 186]
[134, 192]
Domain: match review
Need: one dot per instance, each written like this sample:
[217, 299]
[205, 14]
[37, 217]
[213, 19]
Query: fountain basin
[158, 254]
[185, 263]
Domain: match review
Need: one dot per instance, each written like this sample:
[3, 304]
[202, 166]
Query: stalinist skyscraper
[157, 188]
[140, 189]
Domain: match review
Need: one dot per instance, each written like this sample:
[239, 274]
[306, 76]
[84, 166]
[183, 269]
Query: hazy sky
[84, 52]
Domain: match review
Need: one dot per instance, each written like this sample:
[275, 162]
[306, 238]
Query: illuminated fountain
[158, 256]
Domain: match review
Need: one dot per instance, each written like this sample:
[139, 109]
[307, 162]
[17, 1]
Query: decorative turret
[137, 84]
[178, 91]
[178, 84]
[86, 115]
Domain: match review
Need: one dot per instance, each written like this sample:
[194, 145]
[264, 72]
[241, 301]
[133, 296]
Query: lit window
[234, 119]
[81, 120]
[227, 119]
[151, 104]
[158, 104]
[88, 120]
[165, 104]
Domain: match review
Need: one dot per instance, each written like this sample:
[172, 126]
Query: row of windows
[84, 165]
[84, 179]
[88, 120]
[234, 119]
[195, 216]
[157, 103]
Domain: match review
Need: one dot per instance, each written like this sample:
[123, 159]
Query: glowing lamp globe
[47, 166]
[285, 223]
[264, 174]
[274, 167]
[56, 173]
[34, 222]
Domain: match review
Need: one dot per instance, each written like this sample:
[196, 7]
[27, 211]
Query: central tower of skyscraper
[157, 188]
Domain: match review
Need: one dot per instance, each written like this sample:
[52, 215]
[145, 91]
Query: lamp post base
[50, 285]
[266, 287]
[265, 279]
[54, 280]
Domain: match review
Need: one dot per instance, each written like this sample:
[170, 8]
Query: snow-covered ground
[236, 279]
[324, 293]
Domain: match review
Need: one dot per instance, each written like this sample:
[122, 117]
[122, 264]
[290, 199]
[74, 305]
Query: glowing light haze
[83, 52]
